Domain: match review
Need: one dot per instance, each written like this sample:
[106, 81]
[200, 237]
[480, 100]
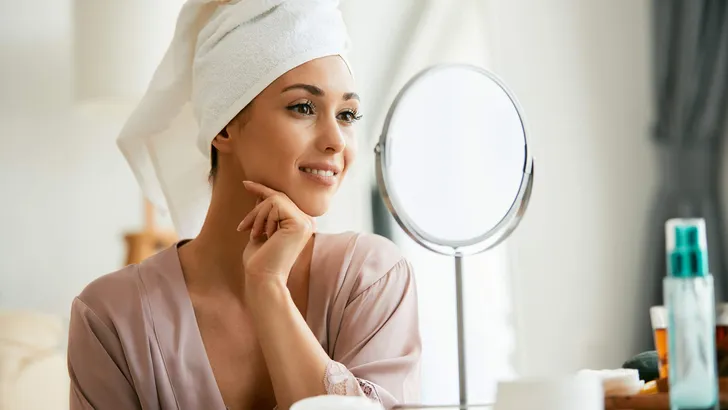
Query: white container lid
[333, 402]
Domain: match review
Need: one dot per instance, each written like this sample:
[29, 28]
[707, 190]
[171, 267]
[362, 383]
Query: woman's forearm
[295, 359]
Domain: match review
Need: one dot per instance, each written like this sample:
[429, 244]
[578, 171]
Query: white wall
[67, 195]
[581, 71]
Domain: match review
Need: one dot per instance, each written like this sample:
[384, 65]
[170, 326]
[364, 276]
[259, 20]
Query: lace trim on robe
[339, 381]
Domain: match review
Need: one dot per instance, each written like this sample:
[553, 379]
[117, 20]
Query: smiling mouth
[320, 172]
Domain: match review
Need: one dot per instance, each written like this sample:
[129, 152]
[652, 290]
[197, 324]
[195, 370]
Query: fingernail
[240, 226]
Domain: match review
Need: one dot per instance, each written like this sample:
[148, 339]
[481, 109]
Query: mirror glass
[472, 165]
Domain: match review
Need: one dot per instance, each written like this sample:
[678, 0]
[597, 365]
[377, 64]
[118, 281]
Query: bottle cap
[687, 247]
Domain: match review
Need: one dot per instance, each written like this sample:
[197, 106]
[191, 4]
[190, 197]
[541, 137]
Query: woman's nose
[331, 139]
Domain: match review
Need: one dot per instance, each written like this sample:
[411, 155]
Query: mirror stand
[462, 371]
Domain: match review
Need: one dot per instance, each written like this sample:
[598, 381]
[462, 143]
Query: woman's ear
[222, 141]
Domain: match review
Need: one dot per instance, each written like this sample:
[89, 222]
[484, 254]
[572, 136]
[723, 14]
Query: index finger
[259, 189]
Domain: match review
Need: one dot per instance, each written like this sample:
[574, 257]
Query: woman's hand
[293, 355]
[278, 233]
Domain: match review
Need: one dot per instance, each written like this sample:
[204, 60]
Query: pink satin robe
[134, 341]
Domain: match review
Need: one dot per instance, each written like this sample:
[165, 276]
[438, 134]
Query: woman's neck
[214, 258]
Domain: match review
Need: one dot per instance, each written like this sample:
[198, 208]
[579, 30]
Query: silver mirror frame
[448, 247]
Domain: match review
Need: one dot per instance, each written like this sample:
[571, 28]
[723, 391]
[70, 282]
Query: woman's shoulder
[120, 294]
[361, 248]
[364, 257]
[108, 295]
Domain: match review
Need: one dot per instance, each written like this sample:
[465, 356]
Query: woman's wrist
[265, 290]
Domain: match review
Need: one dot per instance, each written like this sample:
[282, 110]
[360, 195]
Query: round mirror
[454, 169]
[453, 164]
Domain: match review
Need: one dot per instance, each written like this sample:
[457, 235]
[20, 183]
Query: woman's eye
[303, 108]
[349, 116]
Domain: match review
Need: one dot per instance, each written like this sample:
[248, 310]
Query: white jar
[332, 402]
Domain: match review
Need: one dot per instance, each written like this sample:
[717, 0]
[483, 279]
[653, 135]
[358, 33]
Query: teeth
[319, 172]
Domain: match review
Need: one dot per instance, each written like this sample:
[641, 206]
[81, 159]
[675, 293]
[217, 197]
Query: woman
[257, 310]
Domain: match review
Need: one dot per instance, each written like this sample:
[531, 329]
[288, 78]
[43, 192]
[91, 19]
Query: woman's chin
[315, 211]
[314, 208]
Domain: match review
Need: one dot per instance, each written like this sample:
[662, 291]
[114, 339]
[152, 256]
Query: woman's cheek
[352, 147]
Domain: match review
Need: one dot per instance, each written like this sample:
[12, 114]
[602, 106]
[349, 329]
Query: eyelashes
[308, 108]
[304, 108]
[352, 116]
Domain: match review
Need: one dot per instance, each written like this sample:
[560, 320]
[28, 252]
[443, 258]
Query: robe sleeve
[100, 377]
[377, 352]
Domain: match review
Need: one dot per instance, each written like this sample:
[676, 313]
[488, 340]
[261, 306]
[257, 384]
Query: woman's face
[297, 136]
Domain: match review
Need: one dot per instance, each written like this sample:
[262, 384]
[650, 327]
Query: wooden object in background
[659, 401]
[150, 240]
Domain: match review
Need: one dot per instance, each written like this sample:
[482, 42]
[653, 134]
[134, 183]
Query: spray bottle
[690, 302]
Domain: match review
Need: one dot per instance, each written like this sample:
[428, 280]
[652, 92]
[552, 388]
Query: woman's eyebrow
[351, 96]
[312, 89]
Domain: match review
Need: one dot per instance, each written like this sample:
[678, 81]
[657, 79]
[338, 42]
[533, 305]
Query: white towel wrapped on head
[223, 54]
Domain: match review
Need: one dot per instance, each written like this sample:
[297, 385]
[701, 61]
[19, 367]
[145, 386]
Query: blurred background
[569, 290]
